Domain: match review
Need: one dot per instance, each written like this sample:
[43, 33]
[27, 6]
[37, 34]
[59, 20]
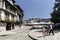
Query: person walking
[46, 30]
[43, 31]
[51, 29]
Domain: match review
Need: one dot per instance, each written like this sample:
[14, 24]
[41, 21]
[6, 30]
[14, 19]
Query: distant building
[10, 14]
[33, 20]
[37, 22]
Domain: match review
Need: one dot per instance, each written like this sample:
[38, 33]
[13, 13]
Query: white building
[38, 22]
[9, 15]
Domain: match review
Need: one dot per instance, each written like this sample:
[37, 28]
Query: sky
[36, 8]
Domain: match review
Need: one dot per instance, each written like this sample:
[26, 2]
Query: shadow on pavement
[34, 28]
[32, 37]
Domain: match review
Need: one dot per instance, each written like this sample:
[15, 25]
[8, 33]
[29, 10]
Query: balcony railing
[13, 21]
[10, 11]
[7, 19]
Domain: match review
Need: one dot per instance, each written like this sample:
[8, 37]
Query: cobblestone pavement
[51, 37]
[22, 34]
[37, 34]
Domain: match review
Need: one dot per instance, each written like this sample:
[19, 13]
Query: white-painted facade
[0, 4]
[2, 15]
[8, 14]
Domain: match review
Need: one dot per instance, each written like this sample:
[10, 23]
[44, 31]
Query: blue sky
[36, 8]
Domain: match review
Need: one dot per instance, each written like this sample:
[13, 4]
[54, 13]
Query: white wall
[2, 27]
[4, 5]
[17, 18]
[2, 15]
[16, 26]
[0, 4]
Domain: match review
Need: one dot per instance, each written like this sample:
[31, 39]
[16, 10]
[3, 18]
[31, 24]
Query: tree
[56, 12]
[55, 16]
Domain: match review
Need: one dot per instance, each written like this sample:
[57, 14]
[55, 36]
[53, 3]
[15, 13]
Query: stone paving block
[36, 35]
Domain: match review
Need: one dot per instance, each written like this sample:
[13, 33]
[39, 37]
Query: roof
[10, 4]
[13, 1]
[7, 0]
[19, 7]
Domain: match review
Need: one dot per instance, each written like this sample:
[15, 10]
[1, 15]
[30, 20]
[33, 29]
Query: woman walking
[45, 31]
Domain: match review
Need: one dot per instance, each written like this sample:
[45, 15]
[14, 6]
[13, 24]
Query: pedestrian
[46, 31]
[43, 31]
[50, 29]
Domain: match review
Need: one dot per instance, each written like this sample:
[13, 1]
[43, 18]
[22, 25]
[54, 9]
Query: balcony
[8, 10]
[7, 19]
[13, 21]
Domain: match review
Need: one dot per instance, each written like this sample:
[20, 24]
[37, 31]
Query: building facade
[10, 15]
[37, 22]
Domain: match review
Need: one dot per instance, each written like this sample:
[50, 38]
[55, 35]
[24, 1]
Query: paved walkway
[37, 34]
[21, 34]
[9, 32]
